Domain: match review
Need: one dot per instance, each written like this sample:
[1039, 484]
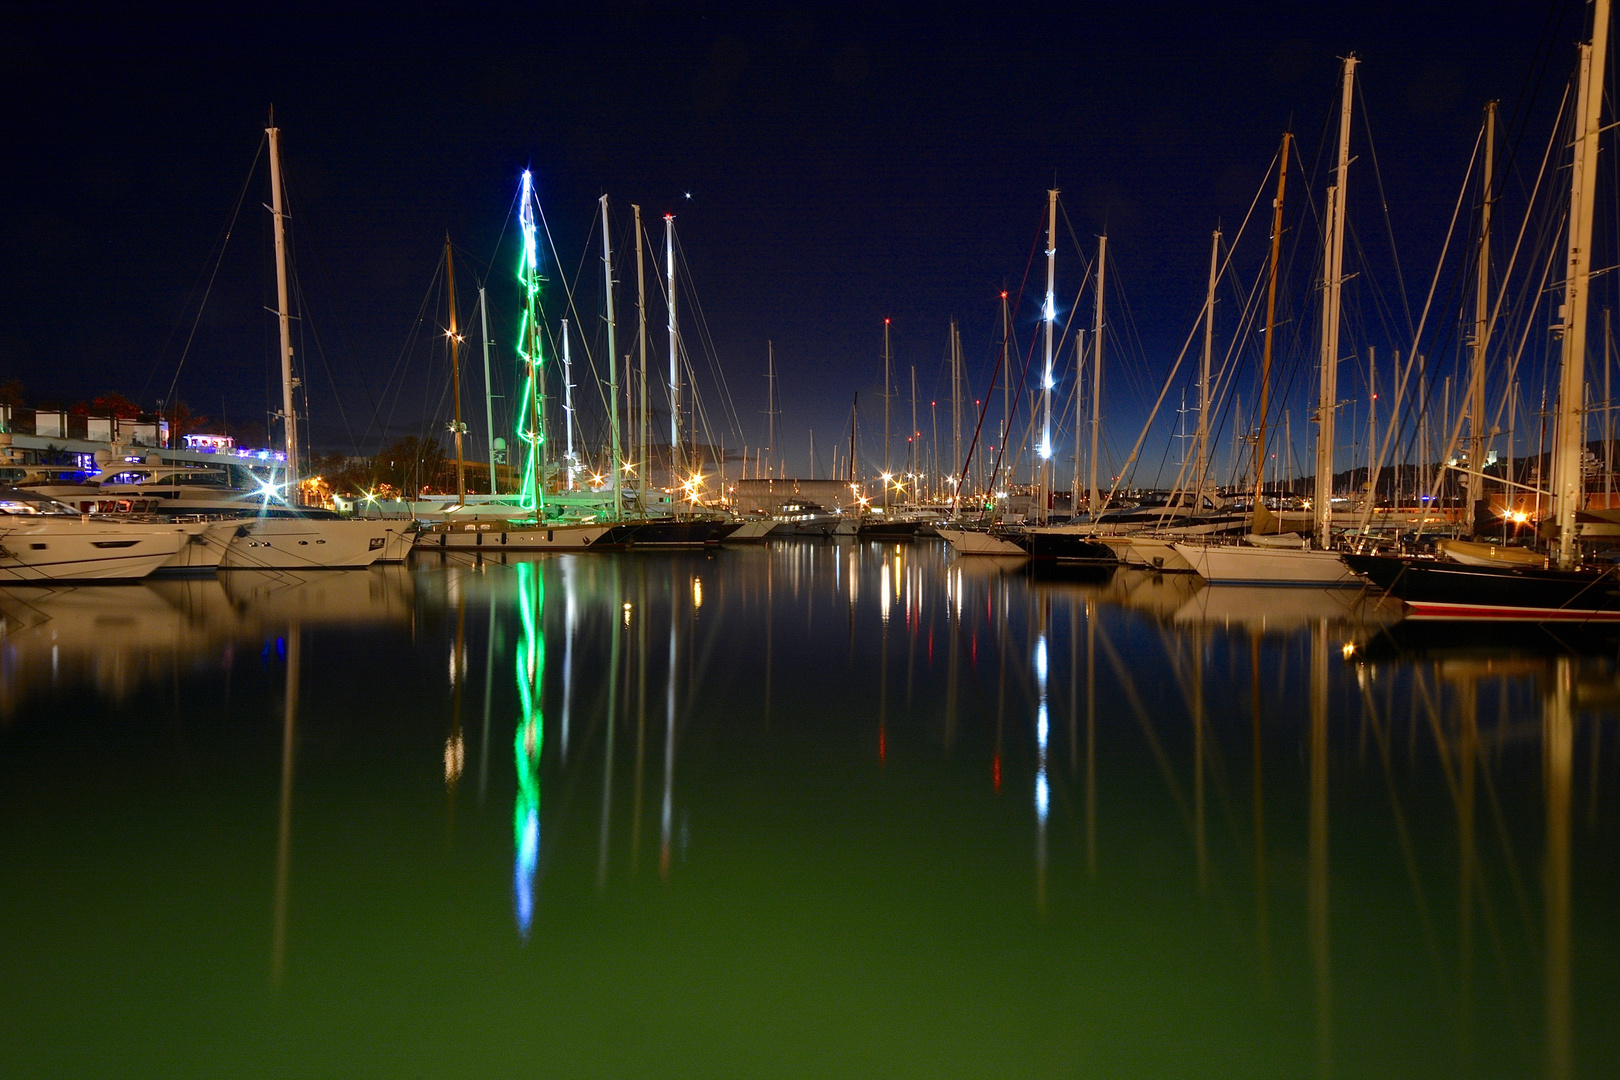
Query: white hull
[973, 542]
[752, 531]
[1149, 553]
[205, 547]
[1234, 564]
[401, 538]
[294, 543]
[75, 549]
[490, 537]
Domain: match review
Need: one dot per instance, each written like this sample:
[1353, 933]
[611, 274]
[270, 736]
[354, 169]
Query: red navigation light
[885, 322]
[1004, 295]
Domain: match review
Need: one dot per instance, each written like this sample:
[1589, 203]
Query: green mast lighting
[531, 428]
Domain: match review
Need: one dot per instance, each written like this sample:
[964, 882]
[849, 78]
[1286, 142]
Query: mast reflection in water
[1227, 831]
[531, 737]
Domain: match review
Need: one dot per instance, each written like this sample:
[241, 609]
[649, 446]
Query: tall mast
[1203, 377]
[617, 464]
[1048, 316]
[1006, 387]
[911, 439]
[643, 465]
[455, 369]
[1482, 331]
[1095, 505]
[531, 342]
[1572, 378]
[571, 464]
[489, 396]
[1079, 372]
[1372, 423]
[770, 397]
[674, 356]
[887, 472]
[1271, 303]
[855, 439]
[1332, 283]
[958, 471]
[283, 317]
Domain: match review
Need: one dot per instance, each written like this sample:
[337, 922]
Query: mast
[1203, 378]
[1482, 332]
[770, 398]
[1006, 388]
[1094, 505]
[568, 407]
[489, 398]
[531, 341]
[617, 465]
[1372, 423]
[854, 440]
[1079, 371]
[674, 357]
[455, 370]
[958, 470]
[888, 474]
[1332, 283]
[283, 317]
[1271, 301]
[643, 466]
[1049, 316]
[911, 440]
[1572, 377]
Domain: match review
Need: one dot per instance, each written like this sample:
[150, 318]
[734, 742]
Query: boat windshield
[24, 503]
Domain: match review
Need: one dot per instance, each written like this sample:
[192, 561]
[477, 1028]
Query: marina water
[812, 809]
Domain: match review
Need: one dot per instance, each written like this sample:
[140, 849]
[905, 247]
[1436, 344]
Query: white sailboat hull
[1233, 564]
[76, 549]
[973, 542]
[294, 543]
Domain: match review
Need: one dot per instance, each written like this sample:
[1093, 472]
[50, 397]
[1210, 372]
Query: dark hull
[1445, 590]
[666, 533]
[888, 530]
[1065, 548]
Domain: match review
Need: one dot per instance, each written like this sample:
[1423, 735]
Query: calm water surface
[815, 809]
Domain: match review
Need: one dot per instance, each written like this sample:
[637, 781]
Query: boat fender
[478, 541]
[503, 538]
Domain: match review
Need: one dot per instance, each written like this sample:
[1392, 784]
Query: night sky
[843, 165]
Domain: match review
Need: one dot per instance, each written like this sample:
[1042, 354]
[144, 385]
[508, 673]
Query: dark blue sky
[844, 164]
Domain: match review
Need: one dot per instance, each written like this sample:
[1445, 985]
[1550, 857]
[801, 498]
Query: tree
[112, 403]
[183, 422]
[412, 464]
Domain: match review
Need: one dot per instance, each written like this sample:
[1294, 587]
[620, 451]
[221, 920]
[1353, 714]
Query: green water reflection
[814, 809]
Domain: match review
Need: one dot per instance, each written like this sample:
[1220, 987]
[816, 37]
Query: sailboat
[297, 538]
[1267, 558]
[491, 527]
[1567, 591]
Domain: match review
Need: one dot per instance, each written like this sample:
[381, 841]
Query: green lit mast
[531, 427]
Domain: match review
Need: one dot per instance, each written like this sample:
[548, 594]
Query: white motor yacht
[42, 540]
